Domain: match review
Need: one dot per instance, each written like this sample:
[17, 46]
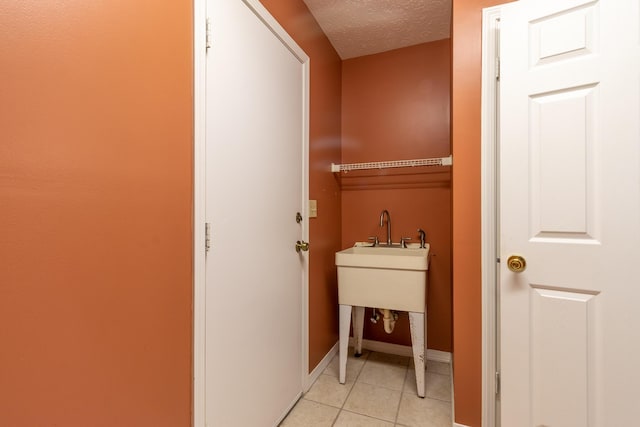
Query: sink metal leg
[345, 322]
[417, 324]
[358, 327]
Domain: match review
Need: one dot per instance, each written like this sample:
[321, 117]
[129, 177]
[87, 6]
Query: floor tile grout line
[438, 373]
[379, 386]
[366, 359]
[406, 367]
[374, 385]
[435, 398]
[406, 374]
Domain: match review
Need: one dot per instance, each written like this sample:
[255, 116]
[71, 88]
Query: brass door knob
[302, 246]
[516, 263]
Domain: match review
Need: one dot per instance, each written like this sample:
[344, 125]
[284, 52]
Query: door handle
[516, 263]
[302, 246]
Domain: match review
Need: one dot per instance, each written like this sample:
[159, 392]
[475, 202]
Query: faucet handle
[403, 241]
[375, 240]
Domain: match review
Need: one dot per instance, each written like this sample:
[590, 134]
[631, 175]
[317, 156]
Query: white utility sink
[385, 277]
[392, 278]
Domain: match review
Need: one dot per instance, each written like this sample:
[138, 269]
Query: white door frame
[489, 209]
[199, 202]
[199, 196]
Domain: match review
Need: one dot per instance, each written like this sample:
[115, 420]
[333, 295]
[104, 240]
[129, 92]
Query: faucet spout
[422, 237]
[382, 217]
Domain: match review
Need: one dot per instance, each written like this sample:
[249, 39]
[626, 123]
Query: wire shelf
[436, 161]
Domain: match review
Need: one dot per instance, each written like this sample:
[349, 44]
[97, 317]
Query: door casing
[489, 211]
[199, 197]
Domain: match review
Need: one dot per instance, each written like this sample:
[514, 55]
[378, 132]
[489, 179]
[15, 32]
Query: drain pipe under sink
[389, 320]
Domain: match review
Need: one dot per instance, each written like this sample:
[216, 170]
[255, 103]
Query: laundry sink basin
[397, 258]
[384, 277]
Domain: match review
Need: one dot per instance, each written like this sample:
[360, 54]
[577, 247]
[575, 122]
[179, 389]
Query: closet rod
[435, 161]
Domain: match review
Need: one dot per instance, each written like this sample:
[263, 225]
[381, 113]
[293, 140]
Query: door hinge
[208, 37]
[498, 68]
[207, 236]
[497, 383]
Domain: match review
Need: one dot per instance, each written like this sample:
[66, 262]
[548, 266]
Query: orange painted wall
[467, 279]
[395, 105]
[95, 213]
[324, 149]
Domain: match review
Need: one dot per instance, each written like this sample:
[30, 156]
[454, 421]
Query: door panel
[570, 205]
[562, 139]
[563, 35]
[565, 370]
[254, 187]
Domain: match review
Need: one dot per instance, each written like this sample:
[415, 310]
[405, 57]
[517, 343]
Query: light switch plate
[313, 208]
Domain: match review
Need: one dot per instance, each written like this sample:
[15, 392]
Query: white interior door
[570, 205]
[255, 185]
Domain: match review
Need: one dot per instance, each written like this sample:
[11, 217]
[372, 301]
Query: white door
[570, 206]
[255, 136]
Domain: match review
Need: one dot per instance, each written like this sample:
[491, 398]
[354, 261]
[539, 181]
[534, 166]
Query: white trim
[275, 27]
[287, 410]
[320, 367]
[199, 198]
[439, 356]
[199, 179]
[402, 350]
[489, 180]
[284, 413]
[306, 114]
[453, 395]
[459, 425]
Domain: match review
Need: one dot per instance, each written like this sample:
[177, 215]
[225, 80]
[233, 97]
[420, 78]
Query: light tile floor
[380, 391]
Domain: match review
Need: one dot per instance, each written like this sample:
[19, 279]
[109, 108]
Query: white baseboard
[402, 350]
[319, 369]
[459, 425]
[439, 356]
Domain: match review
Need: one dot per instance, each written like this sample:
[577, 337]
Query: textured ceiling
[363, 27]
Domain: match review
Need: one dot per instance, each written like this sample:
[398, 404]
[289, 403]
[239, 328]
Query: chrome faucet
[382, 214]
[422, 237]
